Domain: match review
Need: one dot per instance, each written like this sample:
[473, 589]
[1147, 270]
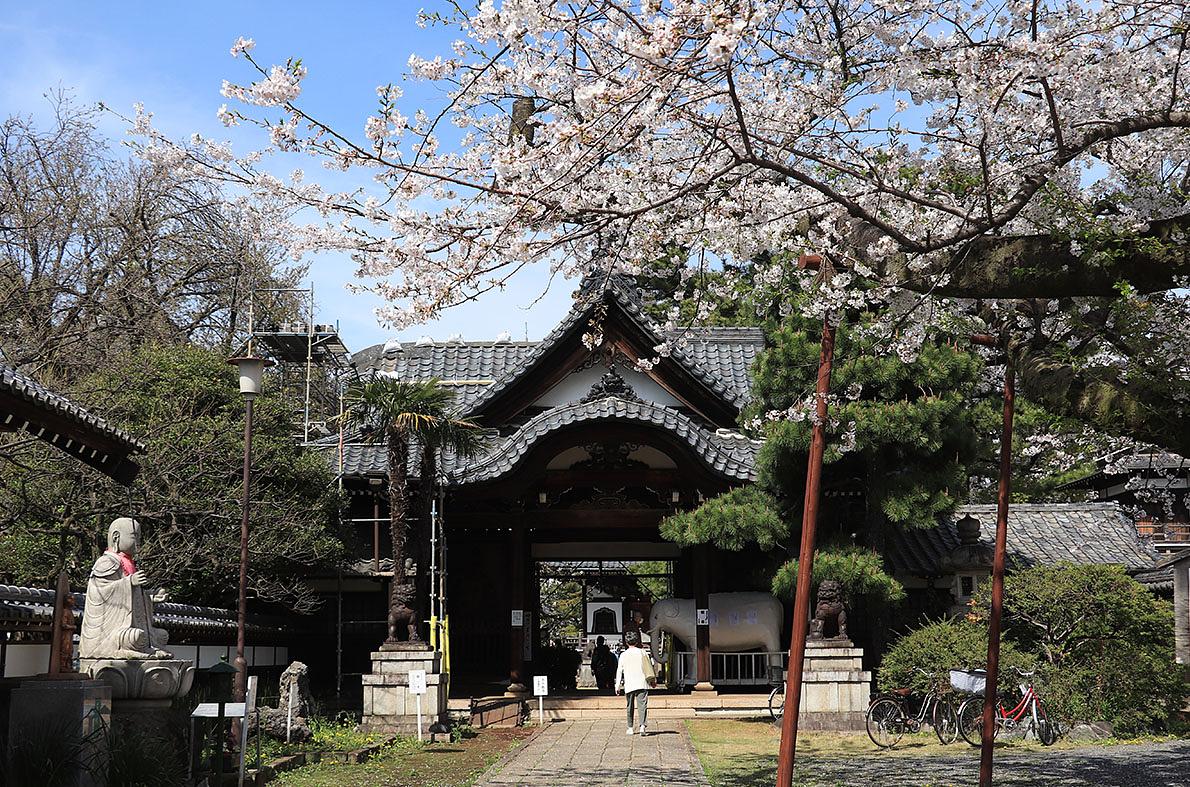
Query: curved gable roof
[729, 455]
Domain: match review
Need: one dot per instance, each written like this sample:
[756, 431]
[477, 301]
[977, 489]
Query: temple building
[594, 439]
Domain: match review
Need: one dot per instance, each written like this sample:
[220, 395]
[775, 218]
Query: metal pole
[805, 564]
[242, 663]
[433, 569]
[442, 590]
[993, 665]
[339, 638]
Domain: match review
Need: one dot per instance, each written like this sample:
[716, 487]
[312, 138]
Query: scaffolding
[314, 366]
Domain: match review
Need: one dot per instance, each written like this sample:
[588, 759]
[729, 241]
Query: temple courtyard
[742, 753]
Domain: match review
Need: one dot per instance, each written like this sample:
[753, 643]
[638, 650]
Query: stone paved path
[598, 752]
[1133, 765]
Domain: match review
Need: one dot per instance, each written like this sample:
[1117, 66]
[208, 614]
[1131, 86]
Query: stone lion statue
[829, 613]
[403, 612]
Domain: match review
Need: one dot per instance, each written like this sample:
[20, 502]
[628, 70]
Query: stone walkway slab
[597, 752]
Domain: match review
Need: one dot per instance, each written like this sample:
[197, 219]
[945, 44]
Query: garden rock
[272, 725]
[297, 677]
[1093, 731]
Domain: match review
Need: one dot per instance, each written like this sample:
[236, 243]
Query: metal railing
[731, 669]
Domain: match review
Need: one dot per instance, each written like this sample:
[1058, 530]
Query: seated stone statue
[118, 617]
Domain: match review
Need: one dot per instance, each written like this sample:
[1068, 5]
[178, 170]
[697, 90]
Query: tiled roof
[25, 387]
[1155, 579]
[25, 605]
[1038, 534]
[724, 352]
[1163, 463]
[727, 453]
[361, 459]
[467, 367]
[614, 290]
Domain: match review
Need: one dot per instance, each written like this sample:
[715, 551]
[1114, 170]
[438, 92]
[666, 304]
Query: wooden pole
[805, 564]
[993, 664]
[516, 668]
[702, 635]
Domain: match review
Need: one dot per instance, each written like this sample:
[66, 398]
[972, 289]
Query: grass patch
[407, 763]
[326, 735]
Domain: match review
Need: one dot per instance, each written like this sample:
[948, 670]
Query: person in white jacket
[634, 677]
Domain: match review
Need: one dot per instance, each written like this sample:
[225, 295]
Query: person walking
[634, 677]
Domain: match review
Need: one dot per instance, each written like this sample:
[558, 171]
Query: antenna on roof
[526, 330]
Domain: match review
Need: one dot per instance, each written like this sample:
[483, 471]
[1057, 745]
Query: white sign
[541, 685]
[703, 617]
[417, 681]
[518, 617]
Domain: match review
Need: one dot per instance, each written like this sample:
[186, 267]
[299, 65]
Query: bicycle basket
[970, 681]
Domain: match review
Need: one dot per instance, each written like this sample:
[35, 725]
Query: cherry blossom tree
[936, 152]
[944, 144]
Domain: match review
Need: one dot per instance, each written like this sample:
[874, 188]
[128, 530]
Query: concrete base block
[73, 712]
[389, 706]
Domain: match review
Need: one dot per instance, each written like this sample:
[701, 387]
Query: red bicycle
[1029, 710]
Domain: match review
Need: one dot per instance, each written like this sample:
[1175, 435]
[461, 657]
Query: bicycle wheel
[1047, 728]
[971, 721]
[945, 720]
[885, 722]
[777, 703]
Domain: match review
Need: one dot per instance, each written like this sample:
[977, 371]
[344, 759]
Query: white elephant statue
[738, 622]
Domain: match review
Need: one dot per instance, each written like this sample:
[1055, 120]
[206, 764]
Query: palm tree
[405, 414]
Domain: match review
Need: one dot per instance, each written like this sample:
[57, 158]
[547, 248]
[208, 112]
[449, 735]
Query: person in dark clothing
[603, 665]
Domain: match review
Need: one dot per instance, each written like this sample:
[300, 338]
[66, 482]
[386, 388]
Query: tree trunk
[398, 482]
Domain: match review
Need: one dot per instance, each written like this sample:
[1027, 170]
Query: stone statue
[829, 612]
[118, 616]
[118, 643]
[402, 609]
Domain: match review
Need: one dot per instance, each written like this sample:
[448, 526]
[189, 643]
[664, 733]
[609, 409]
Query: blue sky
[174, 58]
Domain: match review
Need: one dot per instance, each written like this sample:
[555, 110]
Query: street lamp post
[251, 369]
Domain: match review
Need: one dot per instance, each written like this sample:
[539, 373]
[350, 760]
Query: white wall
[577, 385]
[26, 659]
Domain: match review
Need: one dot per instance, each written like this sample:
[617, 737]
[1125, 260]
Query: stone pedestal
[835, 687]
[61, 715]
[142, 679]
[388, 705]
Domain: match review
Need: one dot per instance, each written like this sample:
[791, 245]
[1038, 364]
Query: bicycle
[1028, 709]
[777, 702]
[887, 721]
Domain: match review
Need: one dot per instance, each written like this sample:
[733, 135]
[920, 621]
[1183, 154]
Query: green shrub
[1105, 642]
[941, 646]
[860, 571]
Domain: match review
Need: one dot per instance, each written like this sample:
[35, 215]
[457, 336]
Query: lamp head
[251, 370]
